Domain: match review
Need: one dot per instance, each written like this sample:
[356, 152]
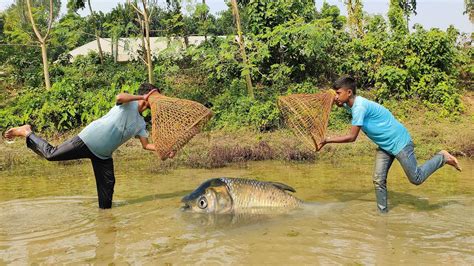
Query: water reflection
[381, 239]
[395, 199]
[232, 220]
[343, 195]
[106, 233]
[421, 204]
[152, 197]
[259, 216]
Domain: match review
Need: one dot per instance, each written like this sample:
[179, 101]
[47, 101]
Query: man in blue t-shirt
[99, 140]
[392, 138]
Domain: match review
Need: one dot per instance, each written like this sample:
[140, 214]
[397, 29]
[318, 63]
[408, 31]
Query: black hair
[146, 88]
[346, 82]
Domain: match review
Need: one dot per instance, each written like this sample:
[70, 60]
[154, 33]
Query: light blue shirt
[378, 123]
[121, 123]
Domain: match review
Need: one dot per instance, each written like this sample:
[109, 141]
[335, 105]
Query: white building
[128, 48]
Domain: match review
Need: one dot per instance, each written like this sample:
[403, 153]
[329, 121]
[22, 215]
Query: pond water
[49, 214]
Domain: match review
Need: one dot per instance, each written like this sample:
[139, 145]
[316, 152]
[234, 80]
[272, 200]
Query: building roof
[128, 48]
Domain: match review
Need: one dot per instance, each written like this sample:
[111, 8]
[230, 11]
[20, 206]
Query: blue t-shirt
[379, 125]
[120, 124]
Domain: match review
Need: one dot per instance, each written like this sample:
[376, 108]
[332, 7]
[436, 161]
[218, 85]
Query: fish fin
[282, 186]
[216, 182]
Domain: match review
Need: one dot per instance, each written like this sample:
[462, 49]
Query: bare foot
[451, 160]
[12, 133]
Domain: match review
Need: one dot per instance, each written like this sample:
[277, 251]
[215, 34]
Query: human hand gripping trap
[307, 115]
[175, 122]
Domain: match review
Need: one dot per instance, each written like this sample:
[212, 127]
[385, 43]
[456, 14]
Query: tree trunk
[116, 48]
[146, 26]
[44, 54]
[42, 40]
[235, 11]
[205, 18]
[112, 47]
[355, 17]
[148, 47]
[186, 41]
[408, 23]
[99, 47]
[142, 37]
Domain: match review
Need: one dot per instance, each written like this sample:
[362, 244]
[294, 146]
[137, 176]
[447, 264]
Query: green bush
[291, 48]
[75, 100]
[23, 109]
[392, 82]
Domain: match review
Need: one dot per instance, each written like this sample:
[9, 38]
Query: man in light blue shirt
[392, 138]
[121, 123]
[99, 140]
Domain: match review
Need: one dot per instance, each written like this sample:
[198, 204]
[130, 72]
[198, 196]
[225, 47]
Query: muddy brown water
[49, 215]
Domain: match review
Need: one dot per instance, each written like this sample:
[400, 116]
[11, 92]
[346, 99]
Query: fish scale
[247, 193]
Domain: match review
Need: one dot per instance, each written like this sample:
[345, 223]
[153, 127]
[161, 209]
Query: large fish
[238, 195]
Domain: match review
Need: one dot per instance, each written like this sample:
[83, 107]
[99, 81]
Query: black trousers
[73, 149]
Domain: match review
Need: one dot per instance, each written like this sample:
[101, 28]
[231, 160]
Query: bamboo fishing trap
[175, 122]
[307, 115]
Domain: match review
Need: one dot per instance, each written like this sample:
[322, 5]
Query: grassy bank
[219, 148]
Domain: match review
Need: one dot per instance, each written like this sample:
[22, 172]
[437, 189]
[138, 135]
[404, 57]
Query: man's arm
[146, 145]
[125, 98]
[151, 147]
[351, 137]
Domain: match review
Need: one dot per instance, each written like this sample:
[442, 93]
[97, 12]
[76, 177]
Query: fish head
[211, 196]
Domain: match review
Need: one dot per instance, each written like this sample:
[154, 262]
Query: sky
[431, 13]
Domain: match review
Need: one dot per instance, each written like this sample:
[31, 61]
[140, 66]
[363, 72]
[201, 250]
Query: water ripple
[44, 218]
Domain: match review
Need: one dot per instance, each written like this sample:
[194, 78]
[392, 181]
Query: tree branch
[35, 29]
[50, 22]
[144, 4]
[135, 7]
[144, 61]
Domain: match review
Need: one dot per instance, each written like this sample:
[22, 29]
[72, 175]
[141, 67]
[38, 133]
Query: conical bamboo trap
[175, 122]
[307, 115]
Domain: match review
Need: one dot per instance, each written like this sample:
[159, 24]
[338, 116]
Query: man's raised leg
[451, 160]
[69, 150]
[14, 132]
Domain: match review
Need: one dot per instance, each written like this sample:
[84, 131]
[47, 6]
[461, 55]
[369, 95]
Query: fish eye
[202, 203]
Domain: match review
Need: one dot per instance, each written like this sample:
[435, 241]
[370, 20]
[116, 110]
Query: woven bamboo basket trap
[307, 115]
[175, 122]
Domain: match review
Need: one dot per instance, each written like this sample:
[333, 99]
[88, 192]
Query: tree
[75, 5]
[144, 15]
[246, 71]
[120, 22]
[270, 25]
[2, 23]
[201, 14]
[408, 7]
[17, 28]
[36, 15]
[175, 21]
[224, 23]
[5, 50]
[395, 17]
[355, 17]
[263, 15]
[469, 5]
[332, 12]
[70, 32]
